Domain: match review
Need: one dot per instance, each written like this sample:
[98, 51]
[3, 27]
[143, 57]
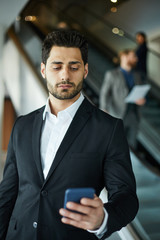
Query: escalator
[148, 191]
[145, 225]
[103, 48]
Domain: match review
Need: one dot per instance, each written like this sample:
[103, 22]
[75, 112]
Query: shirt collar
[71, 110]
[125, 71]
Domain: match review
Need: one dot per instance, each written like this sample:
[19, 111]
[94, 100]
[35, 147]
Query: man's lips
[65, 86]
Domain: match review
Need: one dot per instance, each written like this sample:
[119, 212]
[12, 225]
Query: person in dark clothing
[141, 53]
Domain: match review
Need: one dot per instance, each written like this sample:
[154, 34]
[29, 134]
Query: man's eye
[74, 68]
[57, 68]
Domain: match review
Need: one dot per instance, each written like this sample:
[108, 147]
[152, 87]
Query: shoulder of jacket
[113, 71]
[34, 112]
[29, 116]
[105, 116]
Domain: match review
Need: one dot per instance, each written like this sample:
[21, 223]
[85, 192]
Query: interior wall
[9, 11]
[1, 85]
[9, 117]
[24, 89]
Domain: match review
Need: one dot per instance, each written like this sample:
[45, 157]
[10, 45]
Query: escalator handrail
[106, 22]
[12, 35]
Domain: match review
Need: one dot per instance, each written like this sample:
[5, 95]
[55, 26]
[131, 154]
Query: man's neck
[126, 67]
[58, 105]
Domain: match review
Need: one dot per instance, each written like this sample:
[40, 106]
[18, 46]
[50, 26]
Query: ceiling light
[62, 25]
[121, 33]
[115, 30]
[30, 18]
[114, 1]
[113, 9]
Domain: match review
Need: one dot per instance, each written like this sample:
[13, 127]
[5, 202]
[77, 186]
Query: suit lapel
[75, 127]
[36, 136]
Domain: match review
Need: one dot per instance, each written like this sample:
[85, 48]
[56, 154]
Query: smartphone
[75, 194]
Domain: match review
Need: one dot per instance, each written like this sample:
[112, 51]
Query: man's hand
[141, 101]
[90, 216]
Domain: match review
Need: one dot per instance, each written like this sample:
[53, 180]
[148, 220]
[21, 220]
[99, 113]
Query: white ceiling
[132, 15]
[9, 10]
[138, 15]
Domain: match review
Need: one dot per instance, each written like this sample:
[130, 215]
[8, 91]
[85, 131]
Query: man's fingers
[79, 208]
[87, 207]
[70, 217]
[88, 214]
[95, 203]
[80, 214]
[82, 224]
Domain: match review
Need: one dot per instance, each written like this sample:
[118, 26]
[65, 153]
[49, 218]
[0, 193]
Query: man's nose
[65, 74]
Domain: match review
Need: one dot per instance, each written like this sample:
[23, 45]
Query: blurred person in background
[141, 53]
[116, 86]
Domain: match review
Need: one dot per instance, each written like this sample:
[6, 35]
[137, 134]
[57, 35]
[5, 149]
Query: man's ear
[85, 70]
[43, 70]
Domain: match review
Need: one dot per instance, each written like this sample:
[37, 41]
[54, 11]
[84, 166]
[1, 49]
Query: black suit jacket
[94, 153]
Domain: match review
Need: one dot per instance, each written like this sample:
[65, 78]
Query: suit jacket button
[35, 224]
[44, 193]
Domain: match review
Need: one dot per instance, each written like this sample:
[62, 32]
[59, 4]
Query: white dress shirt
[53, 131]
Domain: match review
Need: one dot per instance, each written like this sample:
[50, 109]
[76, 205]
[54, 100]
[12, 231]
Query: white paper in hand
[137, 92]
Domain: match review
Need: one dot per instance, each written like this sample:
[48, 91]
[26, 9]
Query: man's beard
[65, 94]
[132, 64]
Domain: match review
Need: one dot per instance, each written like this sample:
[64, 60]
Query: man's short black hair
[65, 38]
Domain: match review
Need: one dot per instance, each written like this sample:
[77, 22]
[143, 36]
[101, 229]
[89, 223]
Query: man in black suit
[67, 143]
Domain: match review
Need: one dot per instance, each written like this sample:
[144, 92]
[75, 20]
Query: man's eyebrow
[56, 62]
[74, 62]
[70, 63]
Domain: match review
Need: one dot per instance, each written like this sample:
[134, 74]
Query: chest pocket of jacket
[85, 155]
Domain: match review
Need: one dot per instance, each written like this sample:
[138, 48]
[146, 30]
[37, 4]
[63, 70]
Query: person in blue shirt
[116, 86]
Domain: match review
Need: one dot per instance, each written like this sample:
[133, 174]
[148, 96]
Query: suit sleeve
[8, 189]
[122, 204]
[105, 93]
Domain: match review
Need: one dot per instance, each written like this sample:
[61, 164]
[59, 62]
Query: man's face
[64, 72]
[132, 59]
[140, 39]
